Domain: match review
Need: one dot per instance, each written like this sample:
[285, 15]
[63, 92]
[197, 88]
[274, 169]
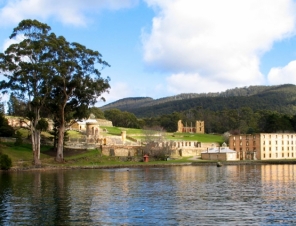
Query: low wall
[186, 152]
[121, 150]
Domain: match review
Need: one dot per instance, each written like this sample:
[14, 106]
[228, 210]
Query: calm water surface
[182, 195]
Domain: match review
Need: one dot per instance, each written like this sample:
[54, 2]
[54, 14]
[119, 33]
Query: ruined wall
[198, 128]
[177, 149]
[121, 150]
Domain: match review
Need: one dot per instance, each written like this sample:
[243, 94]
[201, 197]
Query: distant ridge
[281, 98]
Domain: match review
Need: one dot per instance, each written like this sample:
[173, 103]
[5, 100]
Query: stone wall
[198, 128]
[121, 150]
[177, 149]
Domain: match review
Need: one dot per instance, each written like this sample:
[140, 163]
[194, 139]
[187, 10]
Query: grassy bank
[21, 157]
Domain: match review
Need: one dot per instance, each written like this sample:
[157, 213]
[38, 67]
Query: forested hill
[281, 98]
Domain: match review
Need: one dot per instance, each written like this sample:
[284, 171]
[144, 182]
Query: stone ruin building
[198, 128]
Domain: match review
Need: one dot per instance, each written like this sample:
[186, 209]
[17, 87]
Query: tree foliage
[16, 107]
[44, 68]
[76, 82]
[5, 129]
[122, 119]
[5, 162]
[27, 68]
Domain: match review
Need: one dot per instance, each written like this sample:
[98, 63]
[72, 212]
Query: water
[181, 195]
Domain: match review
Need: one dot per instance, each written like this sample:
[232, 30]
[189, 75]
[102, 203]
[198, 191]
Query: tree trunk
[35, 136]
[60, 146]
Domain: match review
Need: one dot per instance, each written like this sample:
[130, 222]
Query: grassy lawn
[205, 138]
[22, 153]
[140, 134]
[73, 134]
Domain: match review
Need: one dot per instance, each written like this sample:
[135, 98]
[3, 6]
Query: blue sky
[160, 48]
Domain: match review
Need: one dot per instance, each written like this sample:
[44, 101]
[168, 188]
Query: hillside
[281, 98]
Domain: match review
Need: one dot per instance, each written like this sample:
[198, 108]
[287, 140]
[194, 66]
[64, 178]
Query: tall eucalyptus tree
[77, 83]
[26, 66]
[46, 69]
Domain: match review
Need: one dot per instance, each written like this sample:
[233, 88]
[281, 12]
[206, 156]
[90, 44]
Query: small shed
[219, 153]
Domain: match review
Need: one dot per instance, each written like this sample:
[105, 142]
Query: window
[283, 155]
[269, 155]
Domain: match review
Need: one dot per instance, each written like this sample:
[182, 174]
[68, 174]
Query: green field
[141, 135]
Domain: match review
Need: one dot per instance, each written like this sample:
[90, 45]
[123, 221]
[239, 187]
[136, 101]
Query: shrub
[5, 162]
[19, 139]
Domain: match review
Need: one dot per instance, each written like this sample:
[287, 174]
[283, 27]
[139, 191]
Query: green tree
[5, 162]
[122, 118]
[76, 82]
[114, 115]
[170, 122]
[97, 112]
[16, 107]
[18, 138]
[27, 67]
[5, 129]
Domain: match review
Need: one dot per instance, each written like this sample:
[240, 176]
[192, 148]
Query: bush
[19, 139]
[5, 162]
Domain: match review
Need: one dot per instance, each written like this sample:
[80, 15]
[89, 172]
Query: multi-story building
[264, 146]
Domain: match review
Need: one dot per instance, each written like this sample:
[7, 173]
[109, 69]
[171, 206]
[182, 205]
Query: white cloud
[67, 11]
[193, 83]
[8, 42]
[283, 75]
[117, 91]
[219, 42]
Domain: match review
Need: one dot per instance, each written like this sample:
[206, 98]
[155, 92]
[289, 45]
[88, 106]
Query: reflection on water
[185, 195]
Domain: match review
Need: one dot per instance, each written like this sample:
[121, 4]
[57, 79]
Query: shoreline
[141, 165]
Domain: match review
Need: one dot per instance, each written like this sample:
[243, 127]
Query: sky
[160, 48]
